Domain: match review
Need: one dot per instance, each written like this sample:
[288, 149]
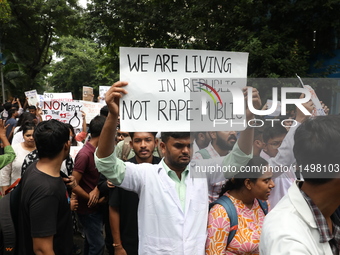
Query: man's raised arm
[245, 141]
[106, 162]
[106, 143]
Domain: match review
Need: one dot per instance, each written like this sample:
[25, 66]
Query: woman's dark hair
[237, 182]
[24, 117]
[28, 125]
[73, 142]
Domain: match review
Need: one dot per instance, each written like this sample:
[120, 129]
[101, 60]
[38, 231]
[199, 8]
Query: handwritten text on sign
[161, 82]
[64, 111]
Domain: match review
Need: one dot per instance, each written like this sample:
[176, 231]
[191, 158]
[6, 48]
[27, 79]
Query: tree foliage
[80, 66]
[278, 36]
[33, 27]
[5, 11]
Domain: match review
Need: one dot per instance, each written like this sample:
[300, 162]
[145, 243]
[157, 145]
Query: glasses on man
[275, 144]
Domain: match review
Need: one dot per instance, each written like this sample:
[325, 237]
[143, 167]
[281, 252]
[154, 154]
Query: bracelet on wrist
[116, 244]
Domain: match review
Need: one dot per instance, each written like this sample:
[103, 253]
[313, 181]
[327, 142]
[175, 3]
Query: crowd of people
[143, 192]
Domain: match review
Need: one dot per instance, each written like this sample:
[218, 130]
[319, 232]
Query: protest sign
[102, 91]
[64, 111]
[56, 96]
[87, 93]
[91, 110]
[162, 82]
[32, 97]
[41, 98]
[318, 110]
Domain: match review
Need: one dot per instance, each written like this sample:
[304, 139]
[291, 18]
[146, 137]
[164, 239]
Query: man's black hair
[7, 106]
[133, 133]
[15, 106]
[104, 111]
[11, 112]
[317, 149]
[166, 135]
[96, 125]
[32, 107]
[50, 137]
[270, 131]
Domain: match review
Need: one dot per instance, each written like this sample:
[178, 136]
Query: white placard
[91, 110]
[32, 97]
[102, 91]
[318, 110]
[160, 85]
[56, 96]
[64, 111]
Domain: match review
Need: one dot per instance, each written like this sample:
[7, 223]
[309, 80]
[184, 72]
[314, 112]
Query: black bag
[9, 217]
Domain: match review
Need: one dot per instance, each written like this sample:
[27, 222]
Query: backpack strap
[263, 205]
[205, 154]
[232, 214]
[14, 184]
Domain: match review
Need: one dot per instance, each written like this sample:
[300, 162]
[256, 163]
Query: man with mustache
[124, 204]
[222, 142]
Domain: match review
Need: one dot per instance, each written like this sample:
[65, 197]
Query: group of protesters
[146, 192]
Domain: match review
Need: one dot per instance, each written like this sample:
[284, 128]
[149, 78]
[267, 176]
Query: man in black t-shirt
[124, 204]
[45, 223]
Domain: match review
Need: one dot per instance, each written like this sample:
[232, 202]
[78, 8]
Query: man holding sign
[173, 207]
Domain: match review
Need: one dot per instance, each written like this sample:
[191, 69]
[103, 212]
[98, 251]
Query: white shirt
[285, 159]
[12, 171]
[290, 228]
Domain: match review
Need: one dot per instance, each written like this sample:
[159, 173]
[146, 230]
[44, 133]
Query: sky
[82, 3]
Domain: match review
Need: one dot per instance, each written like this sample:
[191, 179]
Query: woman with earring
[11, 172]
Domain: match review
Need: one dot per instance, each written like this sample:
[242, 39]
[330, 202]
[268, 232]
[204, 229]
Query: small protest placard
[32, 97]
[102, 92]
[91, 110]
[87, 93]
[318, 111]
